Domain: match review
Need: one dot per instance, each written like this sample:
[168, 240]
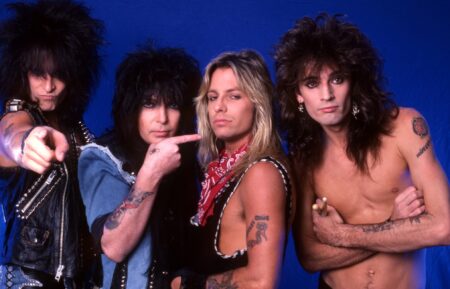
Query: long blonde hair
[253, 79]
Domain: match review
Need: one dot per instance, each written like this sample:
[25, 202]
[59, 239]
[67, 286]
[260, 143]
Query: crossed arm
[414, 144]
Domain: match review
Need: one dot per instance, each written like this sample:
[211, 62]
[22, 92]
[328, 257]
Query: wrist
[25, 135]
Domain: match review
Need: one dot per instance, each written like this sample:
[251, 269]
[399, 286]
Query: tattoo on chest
[226, 282]
[420, 126]
[133, 201]
[424, 149]
[261, 228]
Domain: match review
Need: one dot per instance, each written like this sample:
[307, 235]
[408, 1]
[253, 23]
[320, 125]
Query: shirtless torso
[364, 199]
[361, 198]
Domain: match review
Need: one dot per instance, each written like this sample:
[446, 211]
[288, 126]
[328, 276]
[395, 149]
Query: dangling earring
[355, 111]
[301, 108]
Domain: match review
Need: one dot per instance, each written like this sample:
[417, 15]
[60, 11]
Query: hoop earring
[301, 107]
[355, 111]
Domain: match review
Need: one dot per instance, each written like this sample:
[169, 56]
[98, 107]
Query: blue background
[413, 38]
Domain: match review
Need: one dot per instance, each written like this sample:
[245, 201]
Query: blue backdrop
[412, 37]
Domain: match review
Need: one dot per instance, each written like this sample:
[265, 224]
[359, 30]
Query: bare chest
[362, 197]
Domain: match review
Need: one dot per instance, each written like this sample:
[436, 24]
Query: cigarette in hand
[322, 208]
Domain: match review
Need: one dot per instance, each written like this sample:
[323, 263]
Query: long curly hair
[58, 37]
[327, 40]
[166, 75]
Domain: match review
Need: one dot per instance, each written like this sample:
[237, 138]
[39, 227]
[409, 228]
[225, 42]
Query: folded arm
[414, 144]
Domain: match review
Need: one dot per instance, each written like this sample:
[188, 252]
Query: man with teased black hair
[49, 63]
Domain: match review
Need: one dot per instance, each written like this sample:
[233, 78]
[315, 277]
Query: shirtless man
[354, 146]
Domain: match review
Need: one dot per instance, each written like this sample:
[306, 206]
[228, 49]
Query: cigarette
[323, 209]
[315, 207]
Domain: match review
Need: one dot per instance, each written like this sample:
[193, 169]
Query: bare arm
[124, 227]
[313, 254]
[414, 144]
[263, 199]
[33, 148]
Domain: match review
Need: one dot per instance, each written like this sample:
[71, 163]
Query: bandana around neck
[218, 173]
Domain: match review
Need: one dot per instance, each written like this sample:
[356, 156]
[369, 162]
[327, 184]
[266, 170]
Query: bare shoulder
[410, 122]
[412, 135]
[263, 179]
[263, 172]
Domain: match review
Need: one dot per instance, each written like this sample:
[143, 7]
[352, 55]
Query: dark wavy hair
[327, 40]
[166, 75]
[58, 37]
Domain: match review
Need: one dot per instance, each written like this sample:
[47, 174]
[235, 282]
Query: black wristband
[24, 137]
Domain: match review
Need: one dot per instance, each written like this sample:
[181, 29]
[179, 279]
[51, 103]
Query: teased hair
[253, 78]
[57, 37]
[327, 40]
[168, 75]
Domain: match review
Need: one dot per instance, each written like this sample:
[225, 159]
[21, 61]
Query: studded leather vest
[42, 224]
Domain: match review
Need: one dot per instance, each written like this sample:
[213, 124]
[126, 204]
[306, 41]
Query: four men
[368, 183]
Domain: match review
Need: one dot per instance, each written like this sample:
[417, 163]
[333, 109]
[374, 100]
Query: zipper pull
[59, 272]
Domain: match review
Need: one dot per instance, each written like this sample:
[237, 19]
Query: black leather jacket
[43, 223]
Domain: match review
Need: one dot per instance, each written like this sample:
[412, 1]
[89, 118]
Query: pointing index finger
[184, 138]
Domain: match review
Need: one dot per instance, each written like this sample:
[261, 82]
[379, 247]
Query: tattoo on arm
[226, 282]
[420, 126]
[133, 201]
[261, 228]
[424, 149]
[389, 225]
[377, 227]
[9, 129]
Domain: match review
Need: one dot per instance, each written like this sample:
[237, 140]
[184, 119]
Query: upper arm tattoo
[389, 225]
[420, 126]
[133, 201]
[424, 148]
[226, 282]
[261, 222]
[9, 129]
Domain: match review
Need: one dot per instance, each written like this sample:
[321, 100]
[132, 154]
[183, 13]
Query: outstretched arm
[33, 148]
[414, 144]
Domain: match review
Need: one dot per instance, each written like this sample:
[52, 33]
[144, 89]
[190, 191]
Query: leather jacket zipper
[41, 189]
[60, 269]
[38, 192]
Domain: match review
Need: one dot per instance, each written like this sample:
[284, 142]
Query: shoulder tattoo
[420, 127]
[133, 201]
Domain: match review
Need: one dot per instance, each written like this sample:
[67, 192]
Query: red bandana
[219, 172]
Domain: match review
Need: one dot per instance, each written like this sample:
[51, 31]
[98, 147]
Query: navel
[370, 279]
